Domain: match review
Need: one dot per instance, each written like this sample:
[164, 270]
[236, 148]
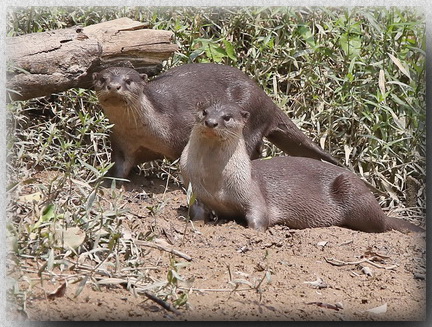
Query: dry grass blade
[337, 262]
[164, 248]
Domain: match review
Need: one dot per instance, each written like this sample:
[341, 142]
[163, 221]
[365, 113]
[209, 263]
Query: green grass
[351, 79]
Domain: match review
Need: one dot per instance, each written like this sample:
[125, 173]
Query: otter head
[116, 86]
[223, 121]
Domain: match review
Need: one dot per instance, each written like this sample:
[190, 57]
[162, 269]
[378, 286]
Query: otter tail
[289, 138]
[401, 225]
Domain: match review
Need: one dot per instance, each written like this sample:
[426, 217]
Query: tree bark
[40, 64]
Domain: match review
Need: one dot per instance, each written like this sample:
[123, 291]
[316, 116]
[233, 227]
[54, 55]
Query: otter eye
[102, 80]
[227, 117]
[128, 81]
[204, 112]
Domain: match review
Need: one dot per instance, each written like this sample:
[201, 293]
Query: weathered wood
[49, 62]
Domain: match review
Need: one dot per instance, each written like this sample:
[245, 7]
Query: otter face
[116, 85]
[222, 120]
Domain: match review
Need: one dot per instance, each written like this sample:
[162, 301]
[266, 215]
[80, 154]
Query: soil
[239, 274]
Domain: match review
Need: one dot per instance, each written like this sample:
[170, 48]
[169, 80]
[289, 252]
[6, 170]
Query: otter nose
[114, 86]
[211, 123]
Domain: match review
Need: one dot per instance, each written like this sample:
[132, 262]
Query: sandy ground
[236, 273]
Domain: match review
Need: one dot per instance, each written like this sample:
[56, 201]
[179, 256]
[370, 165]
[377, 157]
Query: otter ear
[144, 77]
[245, 115]
[201, 105]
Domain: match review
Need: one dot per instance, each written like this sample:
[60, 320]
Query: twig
[336, 262]
[346, 243]
[162, 303]
[325, 305]
[137, 215]
[164, 248]
[217, 289]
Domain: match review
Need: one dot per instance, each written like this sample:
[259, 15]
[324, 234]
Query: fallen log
[43, 63]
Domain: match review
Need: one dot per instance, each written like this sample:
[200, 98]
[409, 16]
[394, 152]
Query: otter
[295, 191]
[153, 120]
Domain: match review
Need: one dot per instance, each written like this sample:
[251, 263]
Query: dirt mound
[234, 273]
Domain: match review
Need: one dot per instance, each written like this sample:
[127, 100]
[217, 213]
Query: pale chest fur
[136, 127]
[218, 174]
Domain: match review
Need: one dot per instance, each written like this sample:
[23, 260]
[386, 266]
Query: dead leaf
[319, 283]
[81, 285]
[381, 81]
[59, 292]
[71, 237]
[378, 310]
[34, 197]
[323, 140]
[399, 64]
[339, 305]
[322, 244]
[367, 271]
[348, 149]
[126, 233]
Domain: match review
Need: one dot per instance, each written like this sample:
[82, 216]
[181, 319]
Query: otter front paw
[257, 220]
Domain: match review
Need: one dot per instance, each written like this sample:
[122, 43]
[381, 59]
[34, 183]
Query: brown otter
[297, 192]
[153, 120]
